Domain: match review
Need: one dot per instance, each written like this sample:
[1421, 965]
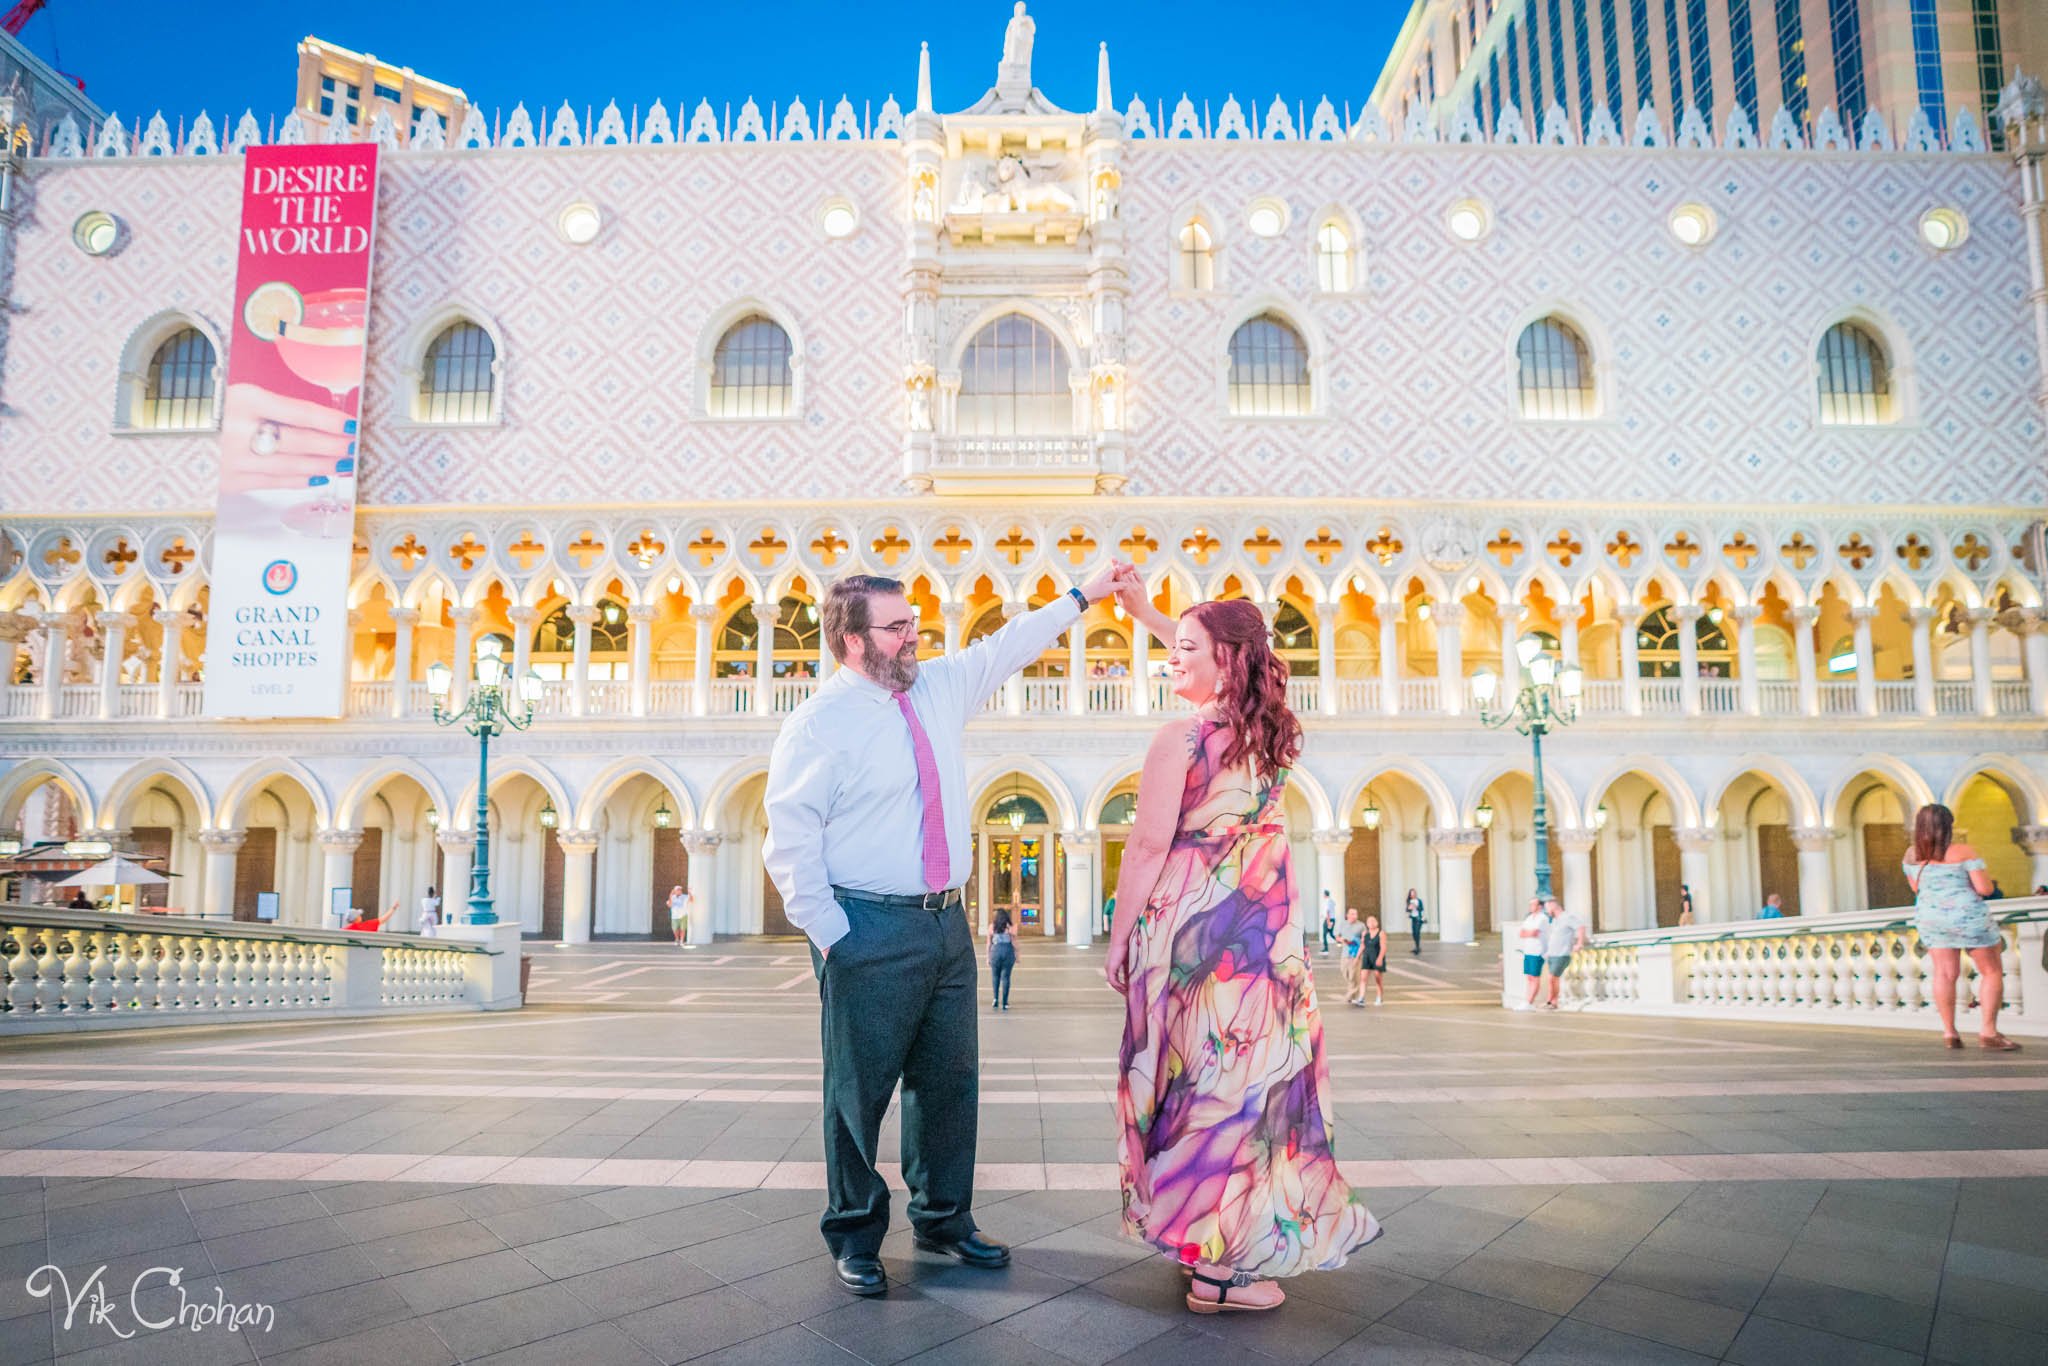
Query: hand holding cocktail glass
[274, 441]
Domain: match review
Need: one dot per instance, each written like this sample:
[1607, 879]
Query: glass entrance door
[1019, 875]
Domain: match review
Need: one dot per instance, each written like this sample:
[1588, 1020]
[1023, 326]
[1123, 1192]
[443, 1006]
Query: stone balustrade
[1604, 698]
[1859, 968]
[63, 970]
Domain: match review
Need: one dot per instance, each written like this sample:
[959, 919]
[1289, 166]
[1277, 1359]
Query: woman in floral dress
[1223, 1094]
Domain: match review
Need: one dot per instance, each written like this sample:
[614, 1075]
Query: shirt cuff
[831, 927]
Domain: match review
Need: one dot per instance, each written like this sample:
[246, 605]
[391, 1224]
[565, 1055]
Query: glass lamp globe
[1484, 815]
[1485, 683]
[490, 669]
[1371, 816]
[1600, 816]
[663, 817]
[1543, 671]
[1016, 818]
[531, 687]
[439, 678]
[1527, 648]
[1572, 682]
[548, 817]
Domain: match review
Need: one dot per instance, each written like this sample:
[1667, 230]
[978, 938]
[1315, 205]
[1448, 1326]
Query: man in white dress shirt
[868, 844]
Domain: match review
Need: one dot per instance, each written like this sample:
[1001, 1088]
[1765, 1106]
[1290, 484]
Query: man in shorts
[1532, 940]
[1565, 933]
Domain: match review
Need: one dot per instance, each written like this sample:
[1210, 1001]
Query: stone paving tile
[991, 1346]
[1851, 1313]
[1385, 1345]
[1539, 1285]
[699, 1324]
[1690, 1325]
[408, 1252]
[512, 1320]
[408, 1343]
[1977, 1342]
[477, 1278]
[1477, 1323]
[1693, 1277]
[1086, 1327]
[332, 1314]
[597, 1344]
[1771, 1342]
[1578, 1343]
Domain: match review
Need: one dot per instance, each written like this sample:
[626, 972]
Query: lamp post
[489, 710]
[1547, 700]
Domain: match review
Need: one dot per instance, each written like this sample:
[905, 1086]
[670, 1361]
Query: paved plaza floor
[629, 1171]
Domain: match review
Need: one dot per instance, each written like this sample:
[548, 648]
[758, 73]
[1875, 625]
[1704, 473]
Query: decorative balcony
[1015, 464]
[616, 699]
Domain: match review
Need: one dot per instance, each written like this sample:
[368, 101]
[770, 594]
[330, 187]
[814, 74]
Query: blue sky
[141, 55]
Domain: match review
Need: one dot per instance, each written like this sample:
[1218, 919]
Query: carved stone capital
[1812, 839]
[169, 620]
[577, 842]
[114, 621]
[768, 614]
[641, 613]
[341, 841]
[455, 841]
[2032, 838]
[519, 616]
[702, 843]
[1746, 614]
[1629, 613]
[1692, 839]
[1805, 616]
[1390, 609]
[703, 611]
[1688, 611]
[1920, 617]
[462, 616]
[1577, 841]
[1455, 841]
[1079, 843]
[222, 841]
[1332, 841]
[1859, 615]
[583, 614]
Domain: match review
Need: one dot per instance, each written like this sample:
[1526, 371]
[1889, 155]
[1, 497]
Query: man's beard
[898, 671]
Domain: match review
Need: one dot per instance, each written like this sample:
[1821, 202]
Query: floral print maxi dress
[1223, 1093]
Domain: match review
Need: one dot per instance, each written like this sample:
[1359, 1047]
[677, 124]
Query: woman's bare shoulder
[1960, 852]
[1177, 736]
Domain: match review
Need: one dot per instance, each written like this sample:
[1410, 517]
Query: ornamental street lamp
[1549, 698]
[490, 710]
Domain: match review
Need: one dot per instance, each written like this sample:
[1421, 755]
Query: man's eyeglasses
[902, 630]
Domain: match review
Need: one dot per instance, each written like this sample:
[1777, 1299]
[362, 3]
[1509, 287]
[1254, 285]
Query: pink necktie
[938, 863]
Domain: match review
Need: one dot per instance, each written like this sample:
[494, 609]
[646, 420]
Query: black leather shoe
[861, 1272]
[973, 1250]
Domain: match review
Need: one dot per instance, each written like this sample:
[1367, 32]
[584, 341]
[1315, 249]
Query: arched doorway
[1758, 856]
[641, 856]
[526, 859]
[1389, 853]
[1876, 819]
[1016, 863]
[1988, 809]
[1637, 867]
[1114, 821]
[1504, 869]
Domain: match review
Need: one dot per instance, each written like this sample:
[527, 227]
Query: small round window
[1944, 229]
[838, 218]
[1692, 224]
[579, 223]
[1267, 217]
[1469, 220]
[96, 232]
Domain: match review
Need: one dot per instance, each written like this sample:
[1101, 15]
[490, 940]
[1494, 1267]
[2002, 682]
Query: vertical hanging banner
[277, 636]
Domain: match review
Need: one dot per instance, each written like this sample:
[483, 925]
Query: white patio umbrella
[114, 872]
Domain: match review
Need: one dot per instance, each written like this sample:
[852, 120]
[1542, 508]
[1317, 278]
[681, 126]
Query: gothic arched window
[1855, 378]
[1013, 381]
[177, 392]
[1554, 371]
[750, 371]
[459, 376]
[1268, 369]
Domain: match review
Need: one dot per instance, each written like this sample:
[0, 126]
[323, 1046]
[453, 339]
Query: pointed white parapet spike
[1103, 103]
[924, 78]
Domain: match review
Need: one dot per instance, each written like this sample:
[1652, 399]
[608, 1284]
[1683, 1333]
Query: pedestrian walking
[1372, 963]
[679, 914]
[1329, 920]
[1684, 904]
[1530, 938]
[1949, 887]
[1352, 930]
[430, 913]
[1565, 934]
[1002, 957]
[1415, 918]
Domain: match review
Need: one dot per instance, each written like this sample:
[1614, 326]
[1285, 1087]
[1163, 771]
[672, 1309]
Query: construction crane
[17, 19]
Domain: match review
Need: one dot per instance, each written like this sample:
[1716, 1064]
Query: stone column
[577, 848]
[458, 852]
[464, 658]
[1866, 661]
[1568, 636]
[2034, 839]
[1330, 847]
[1695, 868]
[1082, 903]
[700, 662]
[1981, 697]
[114, 638]
[217, 894]
[1389, 614]
[14, 628]
[703, 847]
[826, 663]
[1748, 692]
[984, 881]
[640, 625]
[523, 619]
[170, 660]
[1510, 661]
[2032, 625]
[583, 617]
[1577, 847]
[56, 643]
[404, 618]
[1141, 669]
[337, 869]
[954, 614]
[1013, 686]
[1454, 848]
[1627, 616]
[1816, 846]
[1077, 667]
[1687, 615]
[1450, 659]
[1921, 623]
[1326, 658]
[1803, 619]
[766, 615]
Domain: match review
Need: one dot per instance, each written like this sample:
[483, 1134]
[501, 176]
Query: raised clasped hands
[1113, 579]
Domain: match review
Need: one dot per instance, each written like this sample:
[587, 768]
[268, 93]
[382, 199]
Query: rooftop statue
[1013, 76]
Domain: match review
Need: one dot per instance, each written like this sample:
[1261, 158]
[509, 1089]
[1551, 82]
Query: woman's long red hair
[1251, 687]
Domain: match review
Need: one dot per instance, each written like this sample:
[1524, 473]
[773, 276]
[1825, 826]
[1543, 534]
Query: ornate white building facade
[1753, 433]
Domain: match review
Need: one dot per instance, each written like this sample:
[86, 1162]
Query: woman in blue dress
[1949, 886]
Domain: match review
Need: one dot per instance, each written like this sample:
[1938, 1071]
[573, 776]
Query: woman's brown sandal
[1997, 1043]
[1221, 1304]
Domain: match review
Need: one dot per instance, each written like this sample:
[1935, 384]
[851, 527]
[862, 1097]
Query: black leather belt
[923, 901]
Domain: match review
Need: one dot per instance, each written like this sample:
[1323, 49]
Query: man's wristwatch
[1080, 598]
